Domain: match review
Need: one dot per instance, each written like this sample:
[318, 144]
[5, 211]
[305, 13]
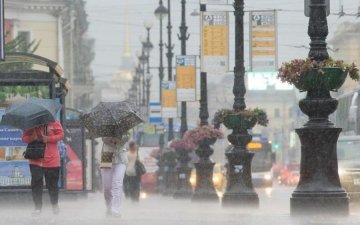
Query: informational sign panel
[186, 78]
[14, 169]
[168, 100]
[263, 41]
[155, 113]
[214, 42]
[307, 7]
[2, 31]
[214, 2]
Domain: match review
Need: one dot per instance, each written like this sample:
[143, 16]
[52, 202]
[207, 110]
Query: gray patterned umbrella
[110, 119]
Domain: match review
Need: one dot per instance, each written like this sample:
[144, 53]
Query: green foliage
[19, 44]
[24, 91]
[258, 114]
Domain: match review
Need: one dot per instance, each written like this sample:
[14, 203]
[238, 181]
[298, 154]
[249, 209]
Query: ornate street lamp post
[183, 186]
[183, 37]
[170, 55]
[148, 46]
[239, 189]
[161, 13]
[204, 189]
[143, 59]
[319, 190]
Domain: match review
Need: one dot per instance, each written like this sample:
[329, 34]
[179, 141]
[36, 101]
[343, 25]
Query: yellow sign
[185, 77]
[149, 129]
[215, 41]
[168, 98]
[264, 33]
[256, 44]
[263, 52]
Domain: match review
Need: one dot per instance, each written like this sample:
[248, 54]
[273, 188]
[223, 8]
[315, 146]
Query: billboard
[263, 41]
[186, 78]
[168, 99]
[214, 42]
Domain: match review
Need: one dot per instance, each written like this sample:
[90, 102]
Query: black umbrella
[111, 119]
[30, 113]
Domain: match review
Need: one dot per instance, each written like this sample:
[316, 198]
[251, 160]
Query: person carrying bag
[47, 166]
[113, 165]
[36, 148]
[134, 171]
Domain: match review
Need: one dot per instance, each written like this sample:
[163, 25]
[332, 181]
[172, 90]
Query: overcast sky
[107, 18]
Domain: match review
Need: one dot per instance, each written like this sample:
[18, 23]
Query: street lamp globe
[161, 11]
[148, 24]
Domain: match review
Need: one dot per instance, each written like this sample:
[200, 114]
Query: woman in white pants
[113, 165]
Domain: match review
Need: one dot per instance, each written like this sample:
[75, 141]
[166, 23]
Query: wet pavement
[161, 210]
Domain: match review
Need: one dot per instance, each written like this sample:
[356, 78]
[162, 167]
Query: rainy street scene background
[179, 112]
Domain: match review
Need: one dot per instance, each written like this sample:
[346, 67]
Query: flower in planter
[252, 114]
[292, 71]
[201, 133]
[183, 144]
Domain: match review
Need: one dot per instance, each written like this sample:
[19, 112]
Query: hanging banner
[168, 100]
[263, 41]
[214, 42]
[186, 78]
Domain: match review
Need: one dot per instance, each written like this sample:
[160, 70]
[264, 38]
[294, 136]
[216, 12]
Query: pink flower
[201, 133]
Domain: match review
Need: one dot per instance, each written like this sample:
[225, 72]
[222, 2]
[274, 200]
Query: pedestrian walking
[132, 177]
[48, 166]
[113, 165]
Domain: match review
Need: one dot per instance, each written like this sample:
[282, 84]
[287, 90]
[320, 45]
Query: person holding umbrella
[112, 121]
[48, 167]
[37, 118]
[113, 165]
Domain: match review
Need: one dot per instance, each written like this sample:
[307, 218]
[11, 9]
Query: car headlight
[267, 176]
[216, 180]
[341, 171]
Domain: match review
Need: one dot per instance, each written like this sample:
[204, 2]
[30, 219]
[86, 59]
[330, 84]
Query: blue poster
[15, 173]
[9, 136]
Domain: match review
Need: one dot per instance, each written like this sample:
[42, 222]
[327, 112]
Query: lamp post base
[250, 200]
[239, 190]
[319, 191]
[184, 189]
[204, 190]
[336, 204]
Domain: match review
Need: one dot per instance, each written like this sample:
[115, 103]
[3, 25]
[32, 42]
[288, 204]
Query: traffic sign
[155, 113]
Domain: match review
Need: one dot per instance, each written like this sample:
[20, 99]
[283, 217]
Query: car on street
[348, 153]
[218, 179]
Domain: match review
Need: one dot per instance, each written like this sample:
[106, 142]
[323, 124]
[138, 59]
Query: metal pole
[239, 189]
[169, 57]
[161, 66]
[183, 37]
